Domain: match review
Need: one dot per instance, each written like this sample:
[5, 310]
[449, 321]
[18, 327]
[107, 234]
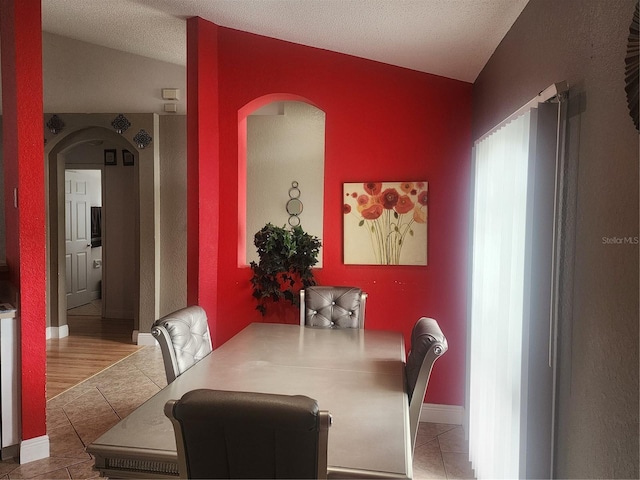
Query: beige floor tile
[87, 406]
[457, 465]
[453, 441]
[427, 461]
[69, 395]
[130, 400]
[62, 474]
[149, 362]
[427, 431]
[65, 442]
[7, 466]
[56, 417]
[83, 470]
[44, 468]
[91, 430]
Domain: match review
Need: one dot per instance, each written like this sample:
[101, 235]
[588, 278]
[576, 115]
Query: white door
[77, 239]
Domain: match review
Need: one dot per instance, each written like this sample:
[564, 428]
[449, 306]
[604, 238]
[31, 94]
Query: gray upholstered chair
[332, 307]
[184, 339]
[428, 343]
[222, 434]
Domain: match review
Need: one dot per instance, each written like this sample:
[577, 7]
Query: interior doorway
[83, 238]
[94, 229]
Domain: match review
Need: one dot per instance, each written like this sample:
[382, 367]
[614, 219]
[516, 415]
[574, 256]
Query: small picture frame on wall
[128, 160]
[110, 156]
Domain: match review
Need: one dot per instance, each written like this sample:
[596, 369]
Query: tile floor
[79, 415]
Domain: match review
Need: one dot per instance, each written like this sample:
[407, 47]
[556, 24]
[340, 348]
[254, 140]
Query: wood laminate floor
[94, 343]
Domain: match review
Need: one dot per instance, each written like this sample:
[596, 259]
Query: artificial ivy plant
[286, 257]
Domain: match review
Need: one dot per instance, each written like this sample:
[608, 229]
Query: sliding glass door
[510, 357]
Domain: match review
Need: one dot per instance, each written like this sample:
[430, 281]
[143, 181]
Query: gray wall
[82, 77]
[119, 217]
[584, 43]
[173, 213]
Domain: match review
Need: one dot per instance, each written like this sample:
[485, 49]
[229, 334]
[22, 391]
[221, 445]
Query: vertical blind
[501, 167]
[516, 242]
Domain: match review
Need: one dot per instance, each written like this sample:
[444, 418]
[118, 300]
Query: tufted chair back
[428, 343]
[226, 434]
[184, 339]
[332, 307]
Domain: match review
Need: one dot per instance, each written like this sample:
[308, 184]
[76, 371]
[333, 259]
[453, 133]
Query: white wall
[282, 149]
[79, 77]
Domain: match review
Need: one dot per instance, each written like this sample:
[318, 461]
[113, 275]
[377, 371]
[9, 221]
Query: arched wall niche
[281, 139]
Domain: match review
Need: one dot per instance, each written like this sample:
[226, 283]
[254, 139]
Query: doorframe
[58, 325]
[100, 168]
[81, 127]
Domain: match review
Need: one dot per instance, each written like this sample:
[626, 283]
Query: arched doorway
[87, 148]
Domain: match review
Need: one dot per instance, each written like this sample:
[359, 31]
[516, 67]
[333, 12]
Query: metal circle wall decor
[294, 205]
[631, 62]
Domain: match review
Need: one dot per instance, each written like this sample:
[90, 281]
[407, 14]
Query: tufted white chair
[332, 307]
[184, 339]
[428, 343]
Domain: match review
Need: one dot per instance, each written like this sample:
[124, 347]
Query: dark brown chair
[428, 343]
[332, 307]
[221, 434]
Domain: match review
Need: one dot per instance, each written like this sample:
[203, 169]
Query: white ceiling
[452, 38]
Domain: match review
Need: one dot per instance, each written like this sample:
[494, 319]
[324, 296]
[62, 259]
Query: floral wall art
[385, 223]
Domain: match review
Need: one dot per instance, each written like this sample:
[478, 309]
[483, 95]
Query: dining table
[355, 374]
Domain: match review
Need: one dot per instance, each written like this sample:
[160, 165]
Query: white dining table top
[355, 374]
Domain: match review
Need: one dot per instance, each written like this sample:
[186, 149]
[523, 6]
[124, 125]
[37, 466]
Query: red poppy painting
[385, 223]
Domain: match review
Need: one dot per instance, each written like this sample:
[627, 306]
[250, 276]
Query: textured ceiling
[452, 38]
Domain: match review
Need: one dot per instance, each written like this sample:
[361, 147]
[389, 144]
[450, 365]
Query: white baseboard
[57, 332]
[435, 413]
[34, 449]
[144, 339]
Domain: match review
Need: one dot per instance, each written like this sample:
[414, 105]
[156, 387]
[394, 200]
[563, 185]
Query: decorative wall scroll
[55, 124]
[385, 223]
[142, 139]
[120, 124]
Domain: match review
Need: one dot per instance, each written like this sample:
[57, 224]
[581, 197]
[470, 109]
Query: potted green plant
[285, 260]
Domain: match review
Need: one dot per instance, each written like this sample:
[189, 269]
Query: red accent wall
[23, 149]
[383, 123]
[202, 164]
